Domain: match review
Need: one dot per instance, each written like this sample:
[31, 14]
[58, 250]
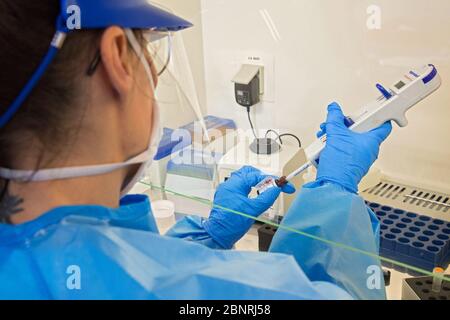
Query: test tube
[437, 281]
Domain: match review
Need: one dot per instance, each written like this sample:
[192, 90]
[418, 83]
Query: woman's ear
[115, 55]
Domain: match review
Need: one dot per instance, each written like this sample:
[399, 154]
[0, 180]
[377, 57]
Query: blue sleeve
[119, 263]
[191, 229]
[329, 212]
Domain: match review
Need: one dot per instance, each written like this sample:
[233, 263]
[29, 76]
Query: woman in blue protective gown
[71, 149]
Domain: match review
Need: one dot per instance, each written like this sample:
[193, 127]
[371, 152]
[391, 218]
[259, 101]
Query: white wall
[323, 51]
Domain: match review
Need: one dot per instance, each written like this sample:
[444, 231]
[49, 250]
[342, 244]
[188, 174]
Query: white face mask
[145, 158]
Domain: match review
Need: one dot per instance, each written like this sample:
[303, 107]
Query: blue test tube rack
[413, 239]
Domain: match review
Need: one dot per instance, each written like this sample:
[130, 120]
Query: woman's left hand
[230, 218]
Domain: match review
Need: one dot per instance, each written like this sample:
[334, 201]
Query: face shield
[181, 122]
[176, 88]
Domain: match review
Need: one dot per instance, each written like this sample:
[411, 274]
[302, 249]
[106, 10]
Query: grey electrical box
[248, 85]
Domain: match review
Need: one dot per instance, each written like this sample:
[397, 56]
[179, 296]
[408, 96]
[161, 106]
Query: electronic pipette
[412, 88]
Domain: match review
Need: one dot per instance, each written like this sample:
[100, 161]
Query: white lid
[163, 209]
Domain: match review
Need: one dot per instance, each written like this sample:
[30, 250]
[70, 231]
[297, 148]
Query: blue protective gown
[92, 252]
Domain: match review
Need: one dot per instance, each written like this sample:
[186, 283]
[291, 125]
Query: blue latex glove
[227, 228]
[348, 156]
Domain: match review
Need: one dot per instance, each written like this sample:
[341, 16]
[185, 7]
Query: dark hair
[55, 108]
[52, 115]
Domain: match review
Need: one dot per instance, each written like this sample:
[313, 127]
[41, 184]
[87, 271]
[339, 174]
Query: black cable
[293, 136]
[276, 133]
[251, 123]
[279, 136]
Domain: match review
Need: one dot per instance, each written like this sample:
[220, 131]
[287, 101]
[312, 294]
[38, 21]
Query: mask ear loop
[137, 48]
[156, 132]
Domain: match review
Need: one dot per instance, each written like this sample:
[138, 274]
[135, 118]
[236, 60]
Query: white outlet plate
[268, 62]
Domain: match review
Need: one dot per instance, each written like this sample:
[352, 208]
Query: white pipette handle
[299, 171]
[395, 101]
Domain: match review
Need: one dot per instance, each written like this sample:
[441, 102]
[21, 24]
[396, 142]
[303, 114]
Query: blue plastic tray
[412, 238]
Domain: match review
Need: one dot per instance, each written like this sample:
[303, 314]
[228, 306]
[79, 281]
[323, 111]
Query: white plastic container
[164, 213]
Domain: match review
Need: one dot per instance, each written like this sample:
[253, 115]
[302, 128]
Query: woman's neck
[26, 202]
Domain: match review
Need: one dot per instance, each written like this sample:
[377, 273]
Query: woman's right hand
[348, 155]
